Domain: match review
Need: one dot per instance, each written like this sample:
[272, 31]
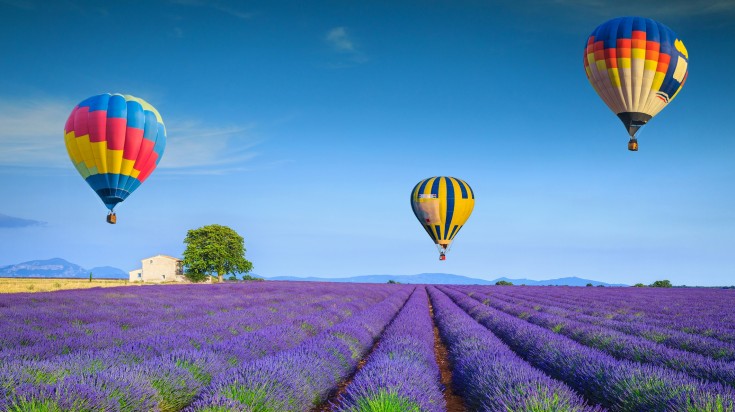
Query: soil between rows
[455, 403]
[334, 399]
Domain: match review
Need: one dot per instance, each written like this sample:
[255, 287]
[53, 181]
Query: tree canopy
[503, 283]
[214, 250]
[661, 284]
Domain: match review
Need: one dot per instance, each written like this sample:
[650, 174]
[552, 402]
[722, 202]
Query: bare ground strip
[455, 403]
[334, 399]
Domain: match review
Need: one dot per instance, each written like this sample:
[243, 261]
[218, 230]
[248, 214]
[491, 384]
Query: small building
[158, 269]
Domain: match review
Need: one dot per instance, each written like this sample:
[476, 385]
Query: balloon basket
[633, 145]
[111, 218]
[442, 257]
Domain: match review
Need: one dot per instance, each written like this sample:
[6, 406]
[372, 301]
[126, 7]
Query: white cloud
[32, 136]
[341, 41]
[177, 33]
[660, 8]
[21, 4]
[195, 147]
[219, 6]
[32, 132]
[16, 222]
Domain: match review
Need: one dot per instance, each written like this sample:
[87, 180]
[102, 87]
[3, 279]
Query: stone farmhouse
[158, 269]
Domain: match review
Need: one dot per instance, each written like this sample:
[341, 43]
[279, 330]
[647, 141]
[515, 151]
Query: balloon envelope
[637, 66]
[442, 205]
[115, 142]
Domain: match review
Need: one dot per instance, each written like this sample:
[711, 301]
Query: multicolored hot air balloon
[637, 66]
[115, 141]
[442, 205]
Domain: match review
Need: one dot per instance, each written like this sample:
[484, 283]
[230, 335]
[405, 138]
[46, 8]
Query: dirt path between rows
[335, 398]
[455, 403]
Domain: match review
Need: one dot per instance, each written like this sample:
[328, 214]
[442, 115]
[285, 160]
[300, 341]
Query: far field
[15, 285]
[317, 347]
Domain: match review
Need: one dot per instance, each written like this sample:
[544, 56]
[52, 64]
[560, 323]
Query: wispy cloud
[16, 222]
[195, 147]
[31, 136]
[44, 6]
[21, 4]
[177, 33]
[340, 40]
[653, 8]
[219, 6]
[32, 132]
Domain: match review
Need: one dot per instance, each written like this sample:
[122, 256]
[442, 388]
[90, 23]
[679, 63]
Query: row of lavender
[489, 375]
[618, 385]
[704, 345]
[306, 346]
[301, 378]
[176, 342]
[618, 344]
[492, 377]
[401, 374]
[667, 309]
[42, 326]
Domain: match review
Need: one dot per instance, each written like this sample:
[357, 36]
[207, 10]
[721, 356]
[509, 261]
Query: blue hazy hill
[59, 268]
[447, 279]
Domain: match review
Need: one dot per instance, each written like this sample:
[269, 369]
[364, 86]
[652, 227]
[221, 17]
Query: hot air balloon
[637, 66]
[115, 141]
[442, 205]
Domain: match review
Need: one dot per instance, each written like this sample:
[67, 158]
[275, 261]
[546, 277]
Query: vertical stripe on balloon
[450, 205]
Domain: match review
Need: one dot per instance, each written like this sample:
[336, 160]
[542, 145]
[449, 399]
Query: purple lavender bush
[618, 385]
[662, 308]
[489, 375]
[300, 378]
[155, 348]
[401, 374]
[604, 317]
[623, 346]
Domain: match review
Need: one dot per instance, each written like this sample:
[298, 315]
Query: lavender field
[300, 346]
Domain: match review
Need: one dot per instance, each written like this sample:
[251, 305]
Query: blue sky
[305, 126]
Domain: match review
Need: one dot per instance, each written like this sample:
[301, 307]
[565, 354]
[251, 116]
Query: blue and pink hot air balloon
[115, 142]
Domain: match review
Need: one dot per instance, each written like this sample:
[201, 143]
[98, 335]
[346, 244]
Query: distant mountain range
[59, 268]
[449, 279]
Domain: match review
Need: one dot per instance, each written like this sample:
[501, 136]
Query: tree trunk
[219, 277]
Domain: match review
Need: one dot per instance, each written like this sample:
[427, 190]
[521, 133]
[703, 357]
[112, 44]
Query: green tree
[214, 250]
[90, 276]
[639, 285]
[661, 284]
[253, 278]
[503, 283]
[589, 285]
[393, 282]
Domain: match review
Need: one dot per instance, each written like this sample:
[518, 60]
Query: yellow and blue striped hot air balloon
[115, 142]
[442, 205]
[637, 66]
